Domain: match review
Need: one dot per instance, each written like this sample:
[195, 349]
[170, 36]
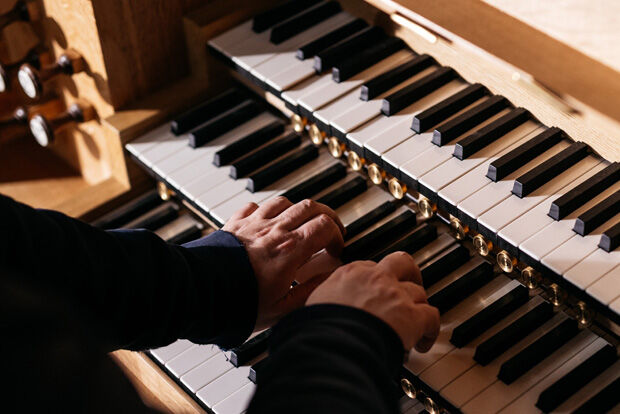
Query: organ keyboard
[514, 225]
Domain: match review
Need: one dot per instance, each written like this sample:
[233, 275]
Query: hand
[280, 238]
[391, 290]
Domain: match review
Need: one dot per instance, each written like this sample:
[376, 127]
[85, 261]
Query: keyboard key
[271, 17]
[250, 349]
[127, 212]
[206, 372]
[206, 111]
[190, 358]
[297, 24]
[318, 182]
[224, 386]
[337, 35]
[433, 249]
[327, 58]
[347, 68]
[248, 143]
[256, 369]
[223, 123]
[155, 218]
[344, 193]
[413, 242]
[356, 227]
[281, 168]
[610, 239]
[166, 353]
[597, 215]
[260, 157]
[604, 400]
[360, 206]
[374, 87]
[440, 266]
[607, 288]
[178, 228]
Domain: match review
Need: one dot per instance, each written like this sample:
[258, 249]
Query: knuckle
[281, 199]
[307, 203]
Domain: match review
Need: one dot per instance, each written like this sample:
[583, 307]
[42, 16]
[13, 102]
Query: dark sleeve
[130, 287]
[330, 359]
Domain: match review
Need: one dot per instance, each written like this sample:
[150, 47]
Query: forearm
[135, 290]
[330, 359]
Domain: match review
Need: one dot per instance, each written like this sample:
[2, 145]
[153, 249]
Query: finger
[273, 207]
[305, 211]
[297, 296]
[244, 211]
[415, 292]
[429, 317]
[317, 234]
[402, 266]
[319, 263]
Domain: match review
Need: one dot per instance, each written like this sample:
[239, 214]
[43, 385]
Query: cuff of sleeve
[231, 287]
[353, 321]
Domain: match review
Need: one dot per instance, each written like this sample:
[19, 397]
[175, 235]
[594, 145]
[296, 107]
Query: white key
[498, 395]
[224, 386]
[163, 149]
[527, 401]
[318, 98]
[479, 377]
[454, 317]
[575, 249]
[434, 156]
[513, 207]
[495, 192]
[338, 106]
[286, 58]
[362, 205]
[293, 94]
[191, 358]
[592, 267]
[237, 402]
[294, 74]
[206, 372]
[459, 360]
[177, 226]
[590, 390]
[475, 179]
[208, 179]
[417, 408]
[615, 306]
[454, 168]
[537, 234]
[234, 36]
[166, 353]
[607, 288]
[221, 193]
[150, 139]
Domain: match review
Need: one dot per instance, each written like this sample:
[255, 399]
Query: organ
[450, 130]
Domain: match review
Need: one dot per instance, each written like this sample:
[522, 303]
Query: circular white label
[27, 83]
[2, 84]
[39, 131]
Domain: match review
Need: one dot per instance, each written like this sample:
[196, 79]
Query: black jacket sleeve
[330, 359]
[131, 288]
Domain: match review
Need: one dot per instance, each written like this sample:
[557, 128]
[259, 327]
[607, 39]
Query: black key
[223, 123]
[489, 316]
[316, 184]
[549, 169]
[513, 333]
[248, 143]
[367, 220]
[207, 110]
[437, 268]
[250, 349]
[598, 214]
[281, 168]
[603, 401]
[473, 143]
[438, 113]
[610, 238]
[469, 119]
[540, 349]
[387, 80]
[155, 218]
[345, 193]
[457, 291]
[256, 369]
[419, 238]
[292, 27]
[409, 94]
[524, 153]
[355, 64]
[264, 155]
[572, 382]
[129, 211]
[372, 242]
[271, 17]
[187, 235]
[361, 40]
[584, 192]
[310, 49]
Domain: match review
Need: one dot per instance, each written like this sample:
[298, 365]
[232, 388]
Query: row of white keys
[149, 140]
[537, 234]
[471, 305]
[575, 249]
[166, 353]
[494, 193]
[527, 401]
[607, 288]
[439, 177]
[317, 98]
[502, 214]
[226, 385]
[381, 123]
[592, 267]
[476, 178]
[398, 144]
[476, 379]
[224, 211]
[187, 155]
[292, 95]
[459, 360]
[286, 57]
[206, 372]
[421, 163]
[235, 36]
[190, 358]
[238, 402]
[499, 395]
[364, 111]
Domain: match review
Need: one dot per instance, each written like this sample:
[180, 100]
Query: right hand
[390, 290]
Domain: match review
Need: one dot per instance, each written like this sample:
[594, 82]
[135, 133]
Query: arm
[132, 288]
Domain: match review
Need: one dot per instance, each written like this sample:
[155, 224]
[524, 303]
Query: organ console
[21, 11]
[483, 146]
[9, 72]
[16, 124]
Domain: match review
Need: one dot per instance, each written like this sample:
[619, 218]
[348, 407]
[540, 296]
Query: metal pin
[376, 174]
[336, 148]
[531, 278]
[556, 295]
[427, 208]
[482, 245]
[316, 135]
[459, 231]
[584, 314]
[505, 261]
[408, 388]
[431, 406]
[355, 162]
[397, 189]
[299, 123]
[164, 192]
